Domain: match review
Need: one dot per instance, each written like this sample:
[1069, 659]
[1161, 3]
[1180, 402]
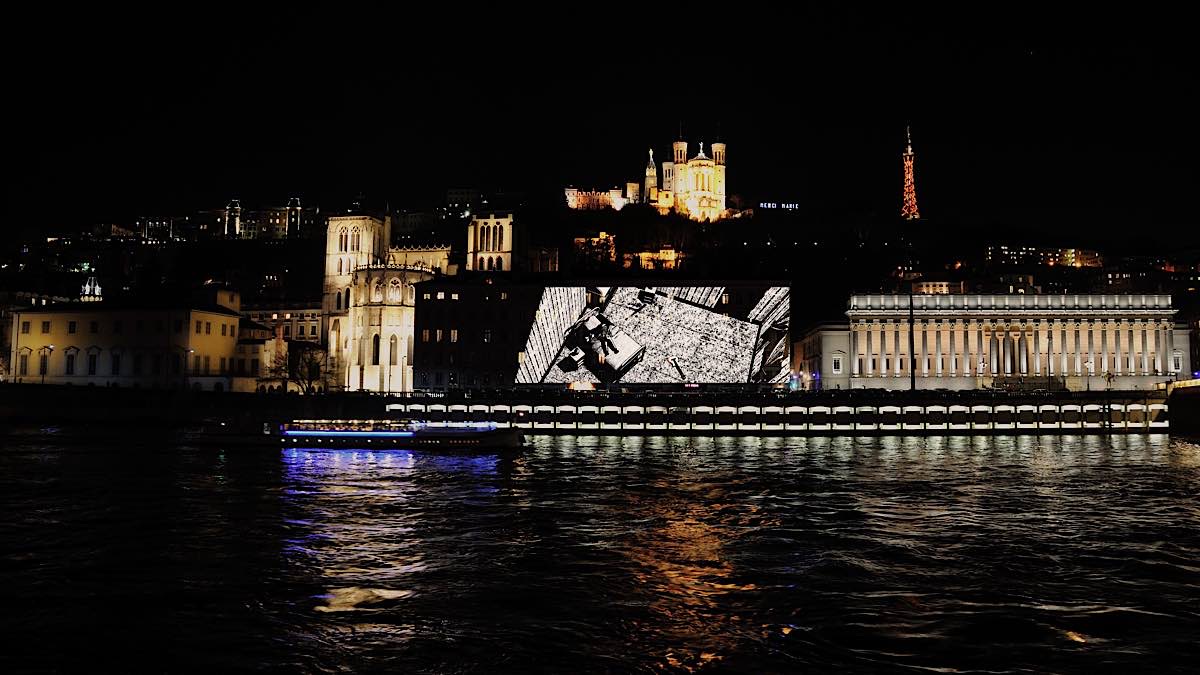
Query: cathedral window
[355, 239]
[479, 266]
[375, 350]
[394, 291]
[491, 264]
[392, 349]
[377, 292]
[339, 266]
[499, 264]
[338, 301]
[342, 239]
[500, 238]
[347, 303]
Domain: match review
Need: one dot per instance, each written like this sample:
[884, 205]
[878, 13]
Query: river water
[1022, 554]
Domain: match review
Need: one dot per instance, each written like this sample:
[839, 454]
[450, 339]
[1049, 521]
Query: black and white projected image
[659, 335]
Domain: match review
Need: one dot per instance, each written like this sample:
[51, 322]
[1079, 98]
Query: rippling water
[1052, 554]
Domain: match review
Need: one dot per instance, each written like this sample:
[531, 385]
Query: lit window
[441, 295]
[454, 296]
[454, 335]
[45, 326]
[25, 327]
[837, 365]
[425, 335]
[439, 335]
[487, 334]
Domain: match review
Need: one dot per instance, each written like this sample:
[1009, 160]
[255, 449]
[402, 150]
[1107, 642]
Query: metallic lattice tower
[909, 209]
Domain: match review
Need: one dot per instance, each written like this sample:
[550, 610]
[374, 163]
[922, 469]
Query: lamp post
[1091, 365]
[45, 351]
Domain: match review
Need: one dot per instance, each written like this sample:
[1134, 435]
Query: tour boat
[442, 436]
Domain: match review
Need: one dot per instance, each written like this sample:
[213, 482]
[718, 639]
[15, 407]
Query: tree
[308, 369]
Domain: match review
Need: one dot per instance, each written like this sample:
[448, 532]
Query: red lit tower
[909, 210]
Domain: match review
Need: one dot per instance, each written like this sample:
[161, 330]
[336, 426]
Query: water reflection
[605, 554]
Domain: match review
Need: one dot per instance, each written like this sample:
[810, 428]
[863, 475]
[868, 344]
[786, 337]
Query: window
[208, 328]
[92, 364]
[287, 330]
[94, 327]
[346, 304]
[439, 335]
[207, 364]
[454, 296]
[375, 350]
[223, 330]
[23, 368]
[199, 326]
[312, 330]
[254, 367]
[71, 327]
[45, 326]
[394, 291]
[70, 367]
[25, 328]
[116, 364]
[487, 334]
[221, 366]
[43, 363]
[1177, 362]
[441, 295]
[503, 295]
[338, 301]
[499, 264]
[196, 365]
[425, 335]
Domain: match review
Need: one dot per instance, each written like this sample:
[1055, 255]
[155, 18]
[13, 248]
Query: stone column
[953, 353]
[1117, 360]
[1037, 347]
[1132, 350]
[924, 349]
[994, 353]
[1104, 346]
[1158, 349]
[854, 348]
[1170, 355]
[1023, 352]
[1091, 347]
[937, 346]
[870, 351]
[1079, 351]
[1062, 349]
[1145, 349]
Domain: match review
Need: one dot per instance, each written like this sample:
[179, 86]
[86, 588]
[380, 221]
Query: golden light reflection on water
[681, 560]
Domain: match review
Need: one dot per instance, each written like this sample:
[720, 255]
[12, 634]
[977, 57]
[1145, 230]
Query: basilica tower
[650, 188]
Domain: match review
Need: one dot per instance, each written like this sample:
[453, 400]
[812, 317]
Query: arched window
[479, 266]
[355, 239]
[375, 350]
[377, 292]
[487, 238]
[475, 231]
[338, 301]
[499, 264]
[491, 264]
[412, 295]
[342, 239]
[347, 304]
[500, 238]
[394, 291]
[339, 266]
[392, 345]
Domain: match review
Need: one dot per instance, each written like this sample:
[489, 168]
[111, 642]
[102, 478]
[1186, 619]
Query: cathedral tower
[351, 242]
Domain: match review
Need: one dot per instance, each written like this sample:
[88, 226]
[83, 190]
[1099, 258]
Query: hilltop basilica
[692, 187]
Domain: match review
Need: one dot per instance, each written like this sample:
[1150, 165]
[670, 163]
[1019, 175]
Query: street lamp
[44, 362]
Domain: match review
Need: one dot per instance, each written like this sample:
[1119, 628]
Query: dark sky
[136, 114]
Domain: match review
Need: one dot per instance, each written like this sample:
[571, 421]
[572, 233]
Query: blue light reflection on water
[589, 554]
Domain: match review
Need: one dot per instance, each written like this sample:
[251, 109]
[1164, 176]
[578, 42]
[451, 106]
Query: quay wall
[559, 412]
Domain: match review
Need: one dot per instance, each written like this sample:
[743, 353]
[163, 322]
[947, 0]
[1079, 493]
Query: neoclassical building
[972, 341]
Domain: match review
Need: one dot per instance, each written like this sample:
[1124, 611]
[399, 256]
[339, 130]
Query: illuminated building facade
[1041, 256]
[98, 344]
[694, 187]
[1027, 341]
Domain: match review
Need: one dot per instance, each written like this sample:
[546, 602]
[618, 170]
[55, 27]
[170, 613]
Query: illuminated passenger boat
[449, 436]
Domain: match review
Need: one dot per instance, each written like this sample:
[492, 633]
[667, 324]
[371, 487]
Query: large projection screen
[659, 335]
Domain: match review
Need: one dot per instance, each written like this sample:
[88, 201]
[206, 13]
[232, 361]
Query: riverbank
[551, 412]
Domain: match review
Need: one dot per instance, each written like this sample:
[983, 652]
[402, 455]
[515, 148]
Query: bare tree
[308, 370]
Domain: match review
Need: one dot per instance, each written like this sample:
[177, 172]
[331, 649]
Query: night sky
[121, 118]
